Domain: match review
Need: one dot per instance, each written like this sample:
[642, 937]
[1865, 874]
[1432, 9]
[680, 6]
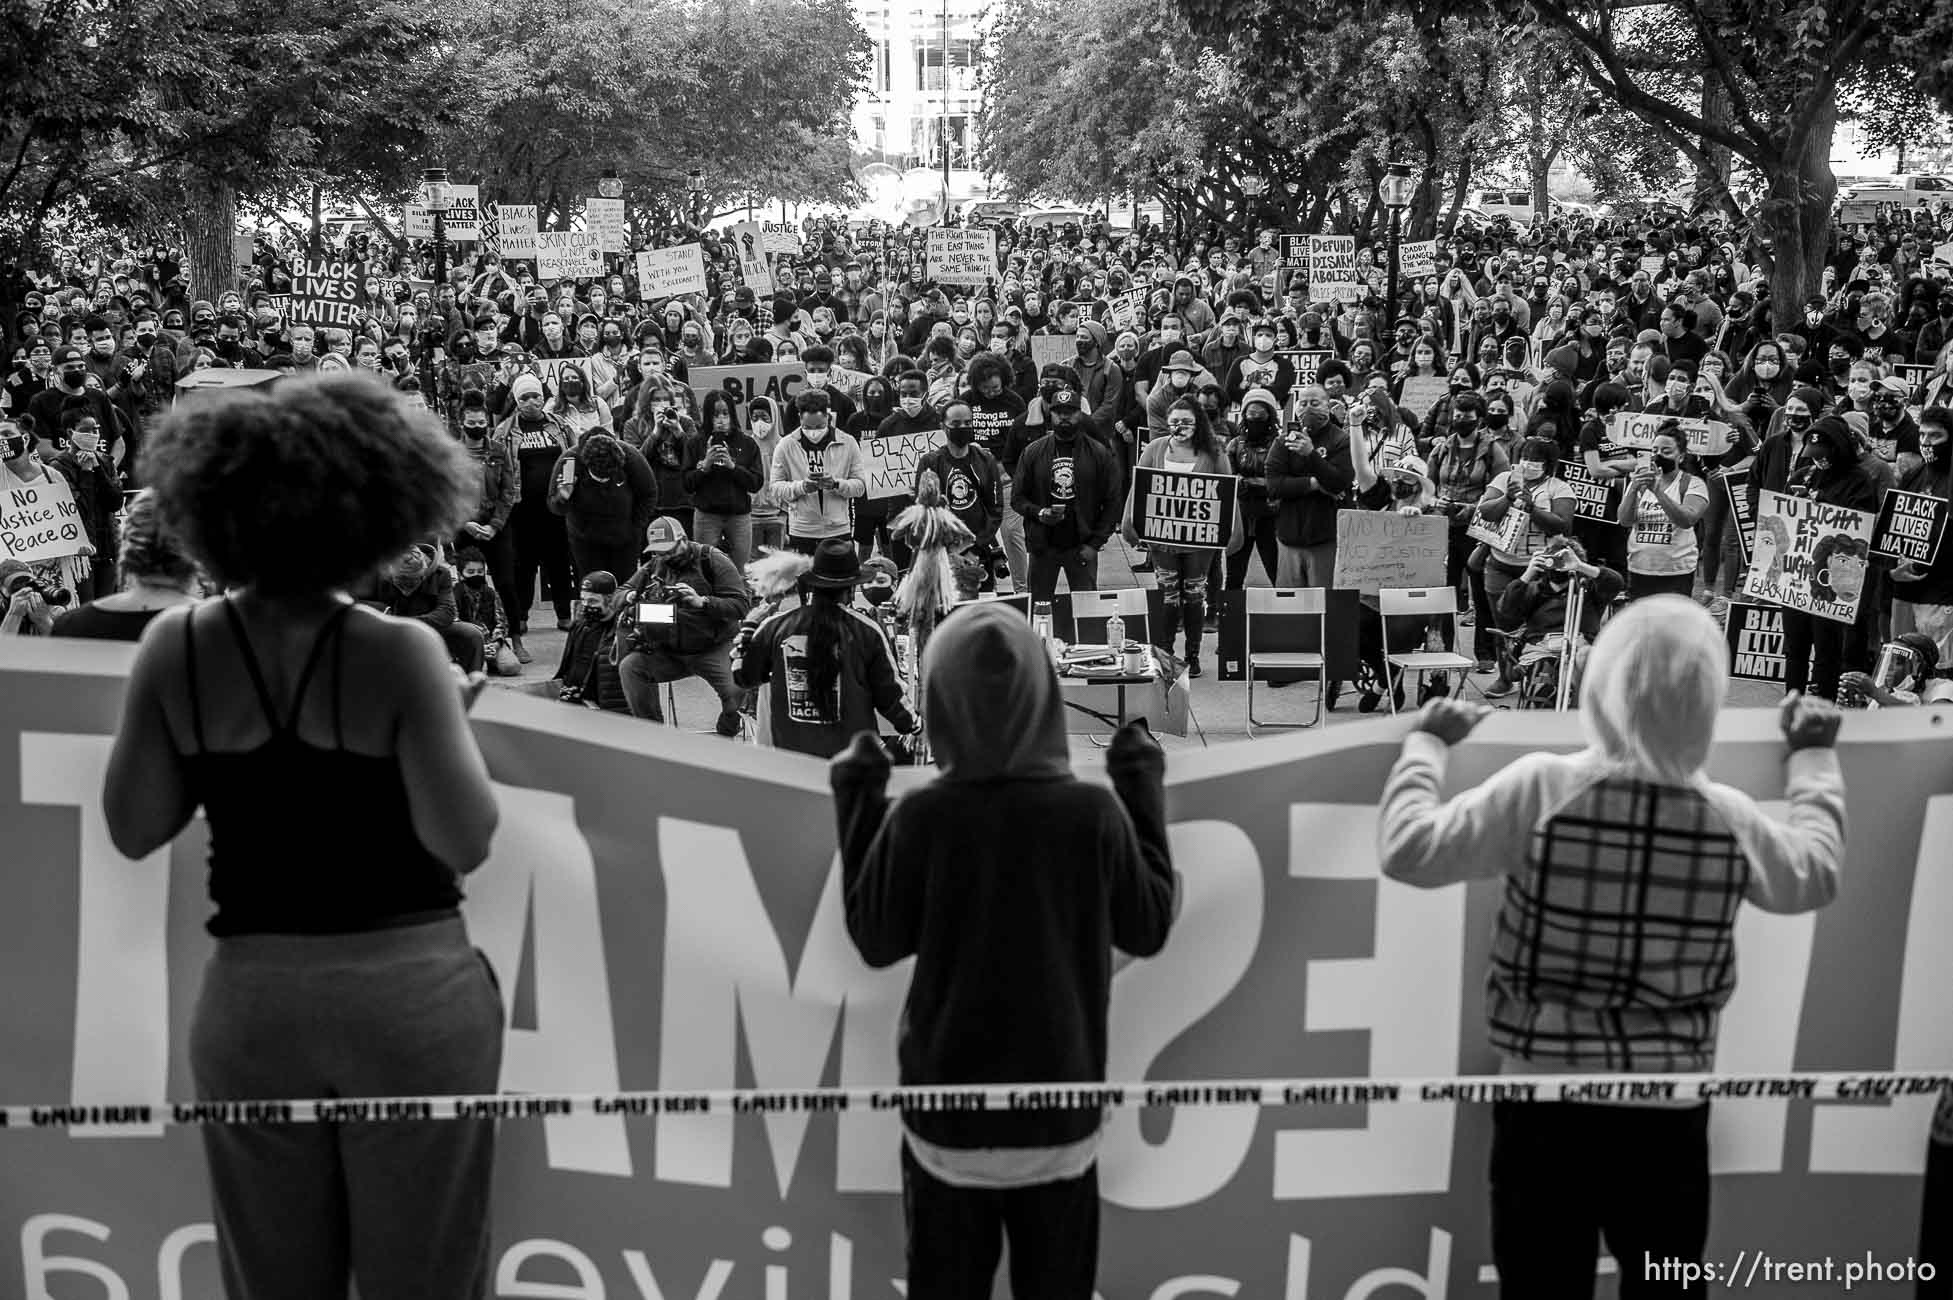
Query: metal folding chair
[1422, 603]
[1091, 609]
[1288, 602]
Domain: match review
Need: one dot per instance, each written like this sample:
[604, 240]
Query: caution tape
[1477, 1090]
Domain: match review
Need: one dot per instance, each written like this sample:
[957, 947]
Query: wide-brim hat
[837, 565]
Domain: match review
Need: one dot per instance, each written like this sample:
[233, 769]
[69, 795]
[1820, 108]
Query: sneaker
[1330, 696]
[521, 651]
[1466, 618]
[1500, 689]
[1193, 666]
[728, 725]
[1367, 702]
[1485, 666]
[1436, 686]
[1719, 609]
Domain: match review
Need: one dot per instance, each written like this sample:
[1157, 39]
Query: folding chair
[1091, 609]
[1299, 603]
[1020, 603]
[1422, 603]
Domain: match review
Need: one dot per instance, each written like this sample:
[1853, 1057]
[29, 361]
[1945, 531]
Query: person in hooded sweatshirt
[1624, 868]
[1828, 472]
[1010, 882]
[1100, 379]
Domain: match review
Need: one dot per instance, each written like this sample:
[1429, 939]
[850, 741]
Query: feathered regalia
[937, 536]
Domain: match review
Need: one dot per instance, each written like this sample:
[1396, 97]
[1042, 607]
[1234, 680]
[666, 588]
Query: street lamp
[695, 192]
[1395, 191]
[610, 185]
[434, 185]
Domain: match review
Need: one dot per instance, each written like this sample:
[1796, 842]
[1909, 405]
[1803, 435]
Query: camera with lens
[11, 585]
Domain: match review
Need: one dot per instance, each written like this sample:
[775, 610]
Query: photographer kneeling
[706, 598]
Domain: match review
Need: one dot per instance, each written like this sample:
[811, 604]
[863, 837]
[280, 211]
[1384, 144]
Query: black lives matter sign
[1911, 526]
[1756, 648]
[326, 293]
[1182, 507]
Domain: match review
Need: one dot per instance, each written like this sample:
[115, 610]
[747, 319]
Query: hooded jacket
[1624, 865]
[1306, 489]
[1101, 380]
[1010, 881]
[812, 512]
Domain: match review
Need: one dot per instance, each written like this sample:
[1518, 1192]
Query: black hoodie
[1008, 879]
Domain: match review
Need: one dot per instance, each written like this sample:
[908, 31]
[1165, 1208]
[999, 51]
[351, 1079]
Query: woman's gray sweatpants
[403, 1207]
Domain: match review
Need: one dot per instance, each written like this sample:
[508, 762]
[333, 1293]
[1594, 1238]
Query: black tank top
[306, 840]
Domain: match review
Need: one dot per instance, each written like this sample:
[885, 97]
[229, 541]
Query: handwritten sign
[1636, 430]
[892, 461]
[1810, 556]
[568, 255]
[962, 256]
[1756, 649]
[1332, 269]
[1653, 264]
[1857, 212]
[39, 521]
[1911, 526]
[1053, 349]
[749, 246]
[1736, 487]
[1593, 498]
[1417, 259]
[781, 381]
[669, 272]
[1421, 393]
[1126, 309]
[518, 229]
[1183, 507]
[1381, 548]
[605, 219]
[778, 237]
[326, 293]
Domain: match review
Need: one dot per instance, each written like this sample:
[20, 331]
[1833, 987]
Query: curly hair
[148, 549]
[308, 487]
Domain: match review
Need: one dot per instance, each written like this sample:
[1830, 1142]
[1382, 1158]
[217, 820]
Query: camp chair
[1422, 603]
[1293, 605]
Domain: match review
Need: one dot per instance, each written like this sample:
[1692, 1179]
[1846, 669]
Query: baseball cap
[664, 536]
[1065, 398]
[63, 355]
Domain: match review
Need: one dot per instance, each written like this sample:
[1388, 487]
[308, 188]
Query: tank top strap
[250, 655]
[190, 675]
[335, 621]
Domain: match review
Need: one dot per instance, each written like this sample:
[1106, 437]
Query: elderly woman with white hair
[1624, 869]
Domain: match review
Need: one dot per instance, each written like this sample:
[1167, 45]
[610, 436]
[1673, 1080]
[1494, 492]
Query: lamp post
[695, 195]
[945, 117]
[1395, 191]
[610, 186]
[434, 185]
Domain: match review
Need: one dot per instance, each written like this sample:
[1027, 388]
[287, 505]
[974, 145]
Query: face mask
[1859, 390]
[816, 381]
[878, 595]
[1766, 370]
[959, 435]
[1181, 379]
[912, 406]
[1666, 464]
[1085, 345]
[475, 580]
[1169, 336]
[1797, 422]
[1497, 419]
[1464, 425]
[1932, 452]
[761, 428]
[1531, 471]
[1064, 426]
[1403, 490]
[592, 610]
[73, 379]
[85, 443]
[13, 447]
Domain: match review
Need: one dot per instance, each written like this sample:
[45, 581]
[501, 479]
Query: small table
[1120, 682]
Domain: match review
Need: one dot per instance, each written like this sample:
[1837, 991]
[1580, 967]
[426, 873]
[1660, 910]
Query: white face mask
[1181, 379]
[1859, 390]
[1531, 471]
[816, 381]
[912, 406]
[761, 428]
[1000, 346]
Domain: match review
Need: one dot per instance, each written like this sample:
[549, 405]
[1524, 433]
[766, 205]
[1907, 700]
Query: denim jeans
[732, 534]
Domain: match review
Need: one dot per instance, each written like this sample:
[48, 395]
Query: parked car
[987, 212]
[1515, 206]
[1908, 190]
[1052, 218]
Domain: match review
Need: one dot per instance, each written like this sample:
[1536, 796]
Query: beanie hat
[1565, 360]
[1262, 395]
[525, 384]
[1811, 398]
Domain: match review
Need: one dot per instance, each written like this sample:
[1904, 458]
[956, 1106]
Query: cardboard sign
[892, 462]
[1307, 364]
[1381, 548]
[778, 237]
[1736, 490]
[605, 218]
[1183, 508]
[1332, 269]
[1756, 647]
[962, 256]
[1593, 498]
[1653, 264]
[1911, 527]
[1943, 253]
[243, 247]
[1054, 349]
[670, 272]
[40, 521]
[1422, 392]
[749, 247]
[1637, 430]
[1127, 310]
[665, 918]
[1857, 212]
[1417, 259]
[1809, 556]
[326, 293]
[417, 222]
[1505, 535]
[568, 255]
[781, 381]
[518, 229]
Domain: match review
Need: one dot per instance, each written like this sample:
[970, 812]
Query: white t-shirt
[1657, 545]
[1531, 538]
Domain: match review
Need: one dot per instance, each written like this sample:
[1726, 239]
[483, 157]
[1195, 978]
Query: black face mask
[73, 379]
[13, 447]
[592, 613]
[1797, 422]
[959, 435]
[1497, 419]
[878, 595]
[1932, 452]
[1666, 464]
[475, 580]
[474, 432]
[1464, 425]
[1065, 428]
[1402, 491]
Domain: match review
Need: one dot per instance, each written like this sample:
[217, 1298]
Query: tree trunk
[1712, 172]
[1796, 218]
[1538, 165]
[1450, 220]
[209, 220]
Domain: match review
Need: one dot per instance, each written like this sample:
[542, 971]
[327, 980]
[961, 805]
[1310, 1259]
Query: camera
[58, 597]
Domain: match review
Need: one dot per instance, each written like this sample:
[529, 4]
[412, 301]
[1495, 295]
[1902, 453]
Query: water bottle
[1115, 634]
[1042, 625]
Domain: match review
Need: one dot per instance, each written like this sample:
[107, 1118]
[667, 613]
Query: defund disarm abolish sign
[1182, 507]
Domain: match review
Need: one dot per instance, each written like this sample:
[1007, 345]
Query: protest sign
[1943, 253]
[1307, 364]
[962, 256]
[1417, 259]
[40, 521]
[1422, 392]
[749, 247]
[417, 222]
[661, 918]
[1294, 265]
[1332, 269]
[781, 381]
[1049, 349]
[1183, 507]
[460, 214]
[518, 233]
[1127, 310]
[326, 293]
[244, 248]
[605, 218]
[1756, 649]
[1911, 527]
[1653, 264]
[491, 229]
[567, 255]
[777, 237]
[1381, 548]
[1809, 556]
[1593, 498]
[1736, 490]
[1505, 535]
[892, 461]
[1857, 212]
[669, 272]
[1636, 429]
